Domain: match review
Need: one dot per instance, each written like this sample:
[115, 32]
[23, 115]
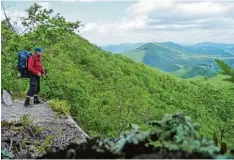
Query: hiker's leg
[31, 91]
[36, 98]
[27, 101]
[33, 86]
[38, 86]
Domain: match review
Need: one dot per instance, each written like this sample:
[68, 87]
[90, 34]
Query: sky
[113, 22]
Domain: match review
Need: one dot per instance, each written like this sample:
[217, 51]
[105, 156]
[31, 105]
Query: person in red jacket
[36, 70]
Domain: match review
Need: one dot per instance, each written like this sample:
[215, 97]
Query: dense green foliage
[108, 92]
[173, 137]
[195, 71]
[175, 132]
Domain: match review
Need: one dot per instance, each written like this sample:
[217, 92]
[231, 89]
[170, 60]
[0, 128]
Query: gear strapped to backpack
[23, 63]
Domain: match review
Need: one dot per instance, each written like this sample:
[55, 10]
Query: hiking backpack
[23, 63]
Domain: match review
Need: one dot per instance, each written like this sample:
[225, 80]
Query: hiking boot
[36, 100]
[28, 102]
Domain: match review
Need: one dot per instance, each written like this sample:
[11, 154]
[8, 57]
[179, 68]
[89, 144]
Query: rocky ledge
[31, 132]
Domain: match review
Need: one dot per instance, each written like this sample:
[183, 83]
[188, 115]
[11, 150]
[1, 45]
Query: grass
[60, 106]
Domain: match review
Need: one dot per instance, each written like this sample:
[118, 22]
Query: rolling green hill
[170, 58]
[165, 58]
[107, 92]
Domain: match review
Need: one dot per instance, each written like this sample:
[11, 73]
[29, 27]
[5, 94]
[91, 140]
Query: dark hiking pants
[34, 85]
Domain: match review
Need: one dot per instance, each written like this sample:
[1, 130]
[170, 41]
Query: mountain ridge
[169, 56]
[220, 49]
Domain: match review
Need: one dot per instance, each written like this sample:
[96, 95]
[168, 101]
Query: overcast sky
[113, 22]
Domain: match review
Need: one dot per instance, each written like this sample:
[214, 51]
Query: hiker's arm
[30, 66]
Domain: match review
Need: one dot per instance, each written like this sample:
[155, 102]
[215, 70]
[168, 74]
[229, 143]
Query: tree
[42, 18]
[46, 27]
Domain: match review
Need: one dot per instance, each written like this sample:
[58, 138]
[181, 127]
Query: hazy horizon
[165, 42]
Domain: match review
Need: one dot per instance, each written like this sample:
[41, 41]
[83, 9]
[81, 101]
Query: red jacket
[35, 65]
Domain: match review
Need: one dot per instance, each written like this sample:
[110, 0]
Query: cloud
[90, 27]
[181, 8]
[157, 35]
[15, 20]
[67, 1]
[137, 23]
[171, 15]
[121, 25]
[13, 15]
[168, 20]
[146, 6]
[178, 21]
[176, 14]
[85, 1]
[45, 5]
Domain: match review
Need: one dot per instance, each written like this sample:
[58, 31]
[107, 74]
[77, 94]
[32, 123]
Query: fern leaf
[226, 69]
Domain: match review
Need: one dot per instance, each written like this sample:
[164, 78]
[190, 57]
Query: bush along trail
[173, 137]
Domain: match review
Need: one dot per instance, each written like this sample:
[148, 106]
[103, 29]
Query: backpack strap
[28, 59]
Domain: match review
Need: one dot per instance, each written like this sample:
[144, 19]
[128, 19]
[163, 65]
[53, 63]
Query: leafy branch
[226, 70]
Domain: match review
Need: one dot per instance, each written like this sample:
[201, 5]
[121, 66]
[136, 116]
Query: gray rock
[6, 97]
[65, 130]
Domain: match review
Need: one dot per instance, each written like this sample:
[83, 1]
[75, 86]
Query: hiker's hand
[39, 74]
[46, 73]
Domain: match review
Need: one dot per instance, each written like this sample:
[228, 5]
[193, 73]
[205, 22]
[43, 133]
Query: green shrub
[60, 106]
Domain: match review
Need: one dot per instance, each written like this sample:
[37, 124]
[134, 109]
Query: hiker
[36, 70]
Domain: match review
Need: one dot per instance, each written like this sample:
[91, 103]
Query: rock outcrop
[30, 132]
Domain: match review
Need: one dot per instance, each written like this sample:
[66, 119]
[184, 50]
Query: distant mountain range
[185, 61]
[207, 48]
